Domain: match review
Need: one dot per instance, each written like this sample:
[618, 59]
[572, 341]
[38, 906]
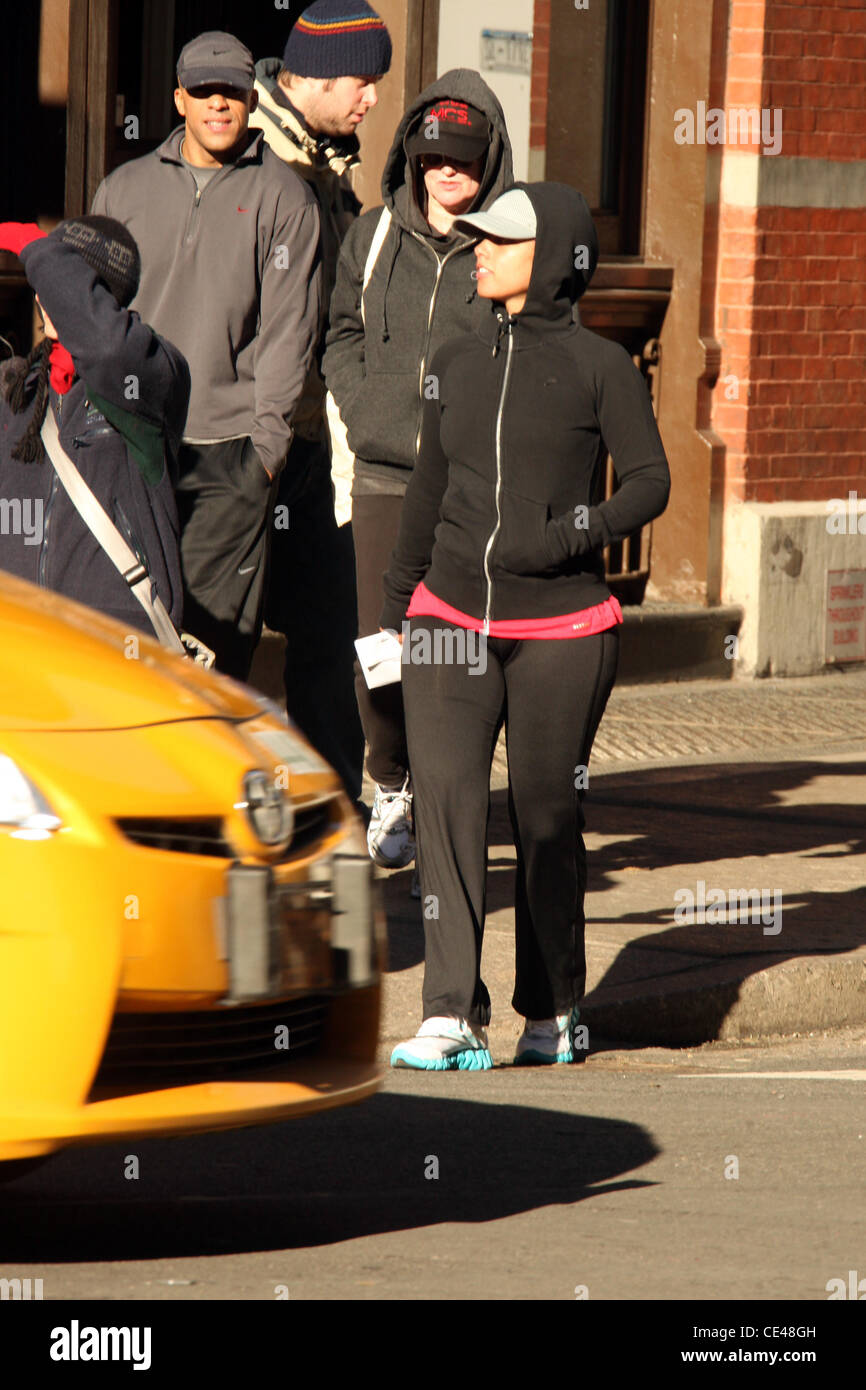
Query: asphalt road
[608, 1177]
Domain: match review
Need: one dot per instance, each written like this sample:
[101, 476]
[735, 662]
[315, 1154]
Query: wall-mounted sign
[846, 616]
[504, 50]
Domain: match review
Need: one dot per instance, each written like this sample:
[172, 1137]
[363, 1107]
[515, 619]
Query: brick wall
[539, 80]
[790, 284]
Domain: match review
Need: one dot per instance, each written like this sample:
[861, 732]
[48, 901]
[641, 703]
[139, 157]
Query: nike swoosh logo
[240, 209]
[249, 569]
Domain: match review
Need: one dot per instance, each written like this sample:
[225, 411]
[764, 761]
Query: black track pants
[375, 523]
[224, 500]
[551, 695]
[311, 600]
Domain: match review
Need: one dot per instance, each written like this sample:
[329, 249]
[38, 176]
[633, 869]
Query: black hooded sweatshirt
[420, 295]
[499, 518]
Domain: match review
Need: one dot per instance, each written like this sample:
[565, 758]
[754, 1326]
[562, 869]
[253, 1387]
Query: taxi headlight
[268, 809]
[268, 706]
[23, 805]
[290, 752]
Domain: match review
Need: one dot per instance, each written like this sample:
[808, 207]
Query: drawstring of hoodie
[504, 326]
[394, 253]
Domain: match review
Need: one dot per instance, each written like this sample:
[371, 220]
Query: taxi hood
[66, 667]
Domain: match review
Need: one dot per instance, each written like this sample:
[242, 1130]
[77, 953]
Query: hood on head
[460, 84]
[267, 70]
[566, 251]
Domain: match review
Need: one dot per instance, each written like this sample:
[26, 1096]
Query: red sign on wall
[846, 616]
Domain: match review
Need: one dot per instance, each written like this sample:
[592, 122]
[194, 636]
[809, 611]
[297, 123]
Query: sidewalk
[734, 786]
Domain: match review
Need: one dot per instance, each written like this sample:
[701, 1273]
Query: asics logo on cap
[451, 112]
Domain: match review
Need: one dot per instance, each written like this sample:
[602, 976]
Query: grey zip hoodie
[420, 295]
[232, 277]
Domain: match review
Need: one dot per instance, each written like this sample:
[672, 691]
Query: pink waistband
[586, 623]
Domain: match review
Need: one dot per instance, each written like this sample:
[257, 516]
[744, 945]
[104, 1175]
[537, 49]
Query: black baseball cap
[450, 127]
[216, 57]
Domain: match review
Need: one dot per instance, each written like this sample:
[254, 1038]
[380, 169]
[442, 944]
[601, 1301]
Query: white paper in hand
[380, 657]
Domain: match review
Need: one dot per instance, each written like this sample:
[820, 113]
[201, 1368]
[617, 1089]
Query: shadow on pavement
[676, 823]
[315, 1181]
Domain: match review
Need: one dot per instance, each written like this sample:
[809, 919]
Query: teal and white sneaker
[391, 831]
[547, 1040]
[444, 1044]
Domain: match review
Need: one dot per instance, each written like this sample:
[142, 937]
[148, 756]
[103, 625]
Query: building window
[589, 89]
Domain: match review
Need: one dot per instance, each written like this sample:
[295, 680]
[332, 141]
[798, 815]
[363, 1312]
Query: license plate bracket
[279, 936]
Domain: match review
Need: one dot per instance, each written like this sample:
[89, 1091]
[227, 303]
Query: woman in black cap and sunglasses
[403, 288]
[500, 538]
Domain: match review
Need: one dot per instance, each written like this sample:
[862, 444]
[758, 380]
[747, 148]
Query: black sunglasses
[435, 161]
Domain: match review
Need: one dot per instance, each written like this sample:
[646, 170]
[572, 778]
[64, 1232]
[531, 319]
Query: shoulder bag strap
[373, 254]
[97, 520]
[342, 458]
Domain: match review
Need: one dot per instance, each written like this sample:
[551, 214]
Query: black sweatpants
[224, 500]
[551, 695]
[311, 600]
[375, 523]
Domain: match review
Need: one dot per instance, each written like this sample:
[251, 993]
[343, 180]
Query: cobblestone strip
[675, 721]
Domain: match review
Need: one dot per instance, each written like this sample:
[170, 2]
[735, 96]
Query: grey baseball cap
[511, 217]
[216, 57]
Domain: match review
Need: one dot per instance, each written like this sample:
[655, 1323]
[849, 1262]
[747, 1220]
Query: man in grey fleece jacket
[231, 274]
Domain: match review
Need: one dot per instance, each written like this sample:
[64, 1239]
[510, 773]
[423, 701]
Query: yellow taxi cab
[189, 938]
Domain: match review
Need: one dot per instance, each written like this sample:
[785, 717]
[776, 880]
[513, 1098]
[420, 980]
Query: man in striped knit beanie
[310, 105]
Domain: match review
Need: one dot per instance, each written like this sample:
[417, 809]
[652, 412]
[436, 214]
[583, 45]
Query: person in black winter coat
[497, 584]
[119, 395]
[451, 154]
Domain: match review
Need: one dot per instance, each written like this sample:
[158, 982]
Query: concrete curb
[731, 1001]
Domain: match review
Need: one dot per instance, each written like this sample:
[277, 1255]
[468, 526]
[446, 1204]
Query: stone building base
[777, 562]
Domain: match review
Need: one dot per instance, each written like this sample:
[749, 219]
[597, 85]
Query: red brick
[773, 344]
[772, 392]
[774, 294]
[746, 66]
[808, 392]
[738, 93]
[736, 320]
[835, 344]
[834, 393]
[819, 369]
[787, 368]
[779, 320]
[785, 44]
[746, 14]
[850, 45]
[736, 292]
[787, 416]
[813, 18]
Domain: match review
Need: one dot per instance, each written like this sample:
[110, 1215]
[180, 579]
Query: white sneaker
[445, 1044]
[547, 1040]
[391, 832]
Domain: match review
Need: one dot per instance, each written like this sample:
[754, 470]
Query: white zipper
[440, 266]
[495, 532]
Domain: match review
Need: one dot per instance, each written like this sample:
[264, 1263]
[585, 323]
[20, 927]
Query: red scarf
[62, 369]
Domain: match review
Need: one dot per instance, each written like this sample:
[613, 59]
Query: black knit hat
[338, 38]
[108, 248]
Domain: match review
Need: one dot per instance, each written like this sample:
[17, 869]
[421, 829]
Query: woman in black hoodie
[450, 154]
[499, 569]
